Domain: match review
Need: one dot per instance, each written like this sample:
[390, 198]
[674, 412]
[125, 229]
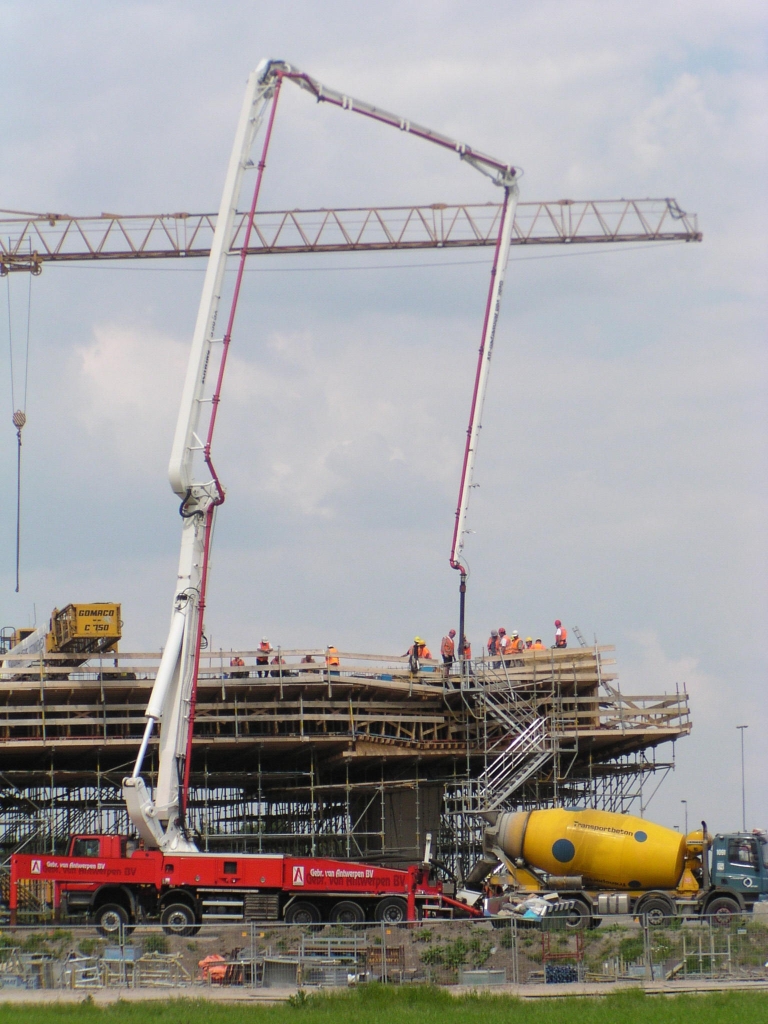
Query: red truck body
[186, 890]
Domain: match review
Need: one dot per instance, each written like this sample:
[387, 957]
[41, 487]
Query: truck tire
[347, 912]
[391, 910]
[656, 909]
[110, 920]
[302, 912]
[722, 910]
[178, 919]
[576, 917]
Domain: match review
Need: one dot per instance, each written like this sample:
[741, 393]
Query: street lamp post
[741, 729]
[685, 804]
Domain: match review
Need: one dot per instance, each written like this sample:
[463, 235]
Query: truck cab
[740, 863]
[102, 846]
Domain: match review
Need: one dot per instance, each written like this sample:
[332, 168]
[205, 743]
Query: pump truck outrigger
[110, 878]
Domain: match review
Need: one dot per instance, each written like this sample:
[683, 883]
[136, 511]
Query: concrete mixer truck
[595, 863]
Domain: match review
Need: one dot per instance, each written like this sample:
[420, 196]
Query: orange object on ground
[213, 968]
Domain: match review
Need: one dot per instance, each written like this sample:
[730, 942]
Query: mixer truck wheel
[722, 910]
[578, 916]
[656, 909]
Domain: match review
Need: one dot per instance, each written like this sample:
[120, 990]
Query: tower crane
[159, 817]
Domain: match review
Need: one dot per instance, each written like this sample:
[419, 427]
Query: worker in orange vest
[332, 658]
[419, 649]
[515, 645]
[528, 643]
[278, 660]
[538, 646]
[561, 634]
[237, 662]
[467, 650]
[265, 649]
[416, 652]
[448, 649]
[504, 641]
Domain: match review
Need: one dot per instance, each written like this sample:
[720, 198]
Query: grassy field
[420, 1005]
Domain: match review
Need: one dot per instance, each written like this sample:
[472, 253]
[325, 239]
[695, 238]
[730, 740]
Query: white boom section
[493, 308]
[158, 820]
[501, 173]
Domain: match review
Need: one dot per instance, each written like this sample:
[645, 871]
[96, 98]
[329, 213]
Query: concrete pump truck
[118, 880]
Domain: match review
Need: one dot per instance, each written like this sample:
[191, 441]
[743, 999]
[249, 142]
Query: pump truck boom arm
[160, 821]
[194, 480]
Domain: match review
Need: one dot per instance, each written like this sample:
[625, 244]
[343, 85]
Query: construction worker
[561, 634]
[237, 662]
[262, 658]
[448, 650]
[528, 643]
[416, 652]
[279, 661]
[467, 650]
[504, 641]
[515, 645]
[538, 645]
[493, 647]
[419, 649]
[332, 659]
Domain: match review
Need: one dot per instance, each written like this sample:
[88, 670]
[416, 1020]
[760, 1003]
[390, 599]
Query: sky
[621, 470]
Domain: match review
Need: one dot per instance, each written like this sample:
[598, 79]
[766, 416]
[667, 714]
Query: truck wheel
[347, 912]
[656, 910]
[302, 912]
[178, 919]
[722, 911]
[110, 919]
[392, 910]
[577, 917]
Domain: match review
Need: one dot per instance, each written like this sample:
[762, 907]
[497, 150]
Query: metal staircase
[524, 756]
[526, 746]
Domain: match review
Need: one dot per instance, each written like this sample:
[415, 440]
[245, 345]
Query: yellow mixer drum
[614, 850]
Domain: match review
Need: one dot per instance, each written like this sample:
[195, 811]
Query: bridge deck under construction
[363, 752]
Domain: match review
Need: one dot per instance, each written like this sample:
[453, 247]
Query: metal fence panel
[476, 953]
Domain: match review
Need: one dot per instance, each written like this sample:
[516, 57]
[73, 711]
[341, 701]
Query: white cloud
[127, 381]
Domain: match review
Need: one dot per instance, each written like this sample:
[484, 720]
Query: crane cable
[19, 415]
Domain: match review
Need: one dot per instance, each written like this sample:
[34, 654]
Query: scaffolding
[359, 760]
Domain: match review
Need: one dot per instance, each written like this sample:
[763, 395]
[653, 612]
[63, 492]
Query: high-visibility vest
[333, 656]
[446, 647]
[515, 644]
[467, 650]
[538, 647]
[561, 636]
[493, 645]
